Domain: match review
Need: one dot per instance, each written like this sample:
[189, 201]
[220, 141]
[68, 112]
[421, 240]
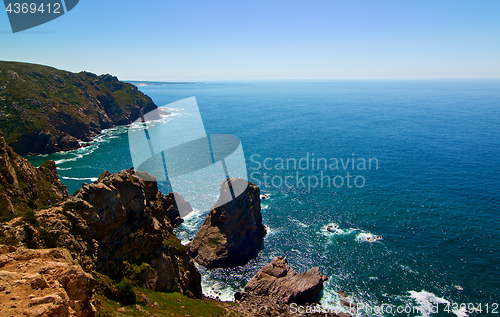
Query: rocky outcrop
[46, 110]
[44, 282]
[277, 286]
[175, 203]
[232, 233]
[118, 226]
[280, 283]
[24, 187]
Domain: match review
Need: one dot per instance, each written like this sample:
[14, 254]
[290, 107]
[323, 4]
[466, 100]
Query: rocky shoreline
[58, 252]
[117, 233]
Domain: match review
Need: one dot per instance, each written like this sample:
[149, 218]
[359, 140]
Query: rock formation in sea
[232, 233]
[24, 187]
[46, 110]
[46, 282]
[276, 286]
[278, 282]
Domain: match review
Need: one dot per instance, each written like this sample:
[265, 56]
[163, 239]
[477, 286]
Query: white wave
[64, 168]
[301, 224]
[367, 237]
[331, 300]
[213, 288]
[73, 159]
[427, 304]
[270, 231]
[92, 179]
[335, 230]
[407, 269]
[462, 312]
[188, 229]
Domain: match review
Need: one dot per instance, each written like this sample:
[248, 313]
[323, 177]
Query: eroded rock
[232, 233]
[43, 282]
[280, 283]
[118, 226]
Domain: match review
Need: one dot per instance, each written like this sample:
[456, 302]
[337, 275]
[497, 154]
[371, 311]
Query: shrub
[126, 293]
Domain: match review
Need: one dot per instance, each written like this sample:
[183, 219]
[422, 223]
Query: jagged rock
[277, 286]
[281, 284]
[24, 187]
[353, 307]
[232, 233]
[179, 207]
[44, 282]
[118, 226]
[343, 294]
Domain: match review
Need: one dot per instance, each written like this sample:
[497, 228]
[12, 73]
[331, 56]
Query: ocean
[406, 173]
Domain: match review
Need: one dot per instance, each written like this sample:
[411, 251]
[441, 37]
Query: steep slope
[24, 187]
[46, 110]
[117, 227]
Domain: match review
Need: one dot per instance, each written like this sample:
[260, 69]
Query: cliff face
[46, 110]
[24, 187]
[118, 227]
[232, 233]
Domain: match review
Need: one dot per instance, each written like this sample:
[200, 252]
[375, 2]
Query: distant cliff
[46, 110]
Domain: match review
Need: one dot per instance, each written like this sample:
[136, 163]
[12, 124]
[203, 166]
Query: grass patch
[175, 242]
[171, 304]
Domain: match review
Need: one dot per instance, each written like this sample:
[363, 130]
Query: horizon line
[202, 81]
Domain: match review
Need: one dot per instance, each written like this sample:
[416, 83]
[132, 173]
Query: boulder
[280, 283]
[233, 232]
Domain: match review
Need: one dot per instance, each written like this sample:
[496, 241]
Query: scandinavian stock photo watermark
[310, 171]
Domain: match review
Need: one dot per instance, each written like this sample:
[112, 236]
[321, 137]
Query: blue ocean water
[431, 192]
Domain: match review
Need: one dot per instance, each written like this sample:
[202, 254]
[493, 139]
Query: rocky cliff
[232, 233]
[118, 227]
[46, 110]
[24, 187]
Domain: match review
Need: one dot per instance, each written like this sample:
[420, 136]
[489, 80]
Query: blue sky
[203, 40]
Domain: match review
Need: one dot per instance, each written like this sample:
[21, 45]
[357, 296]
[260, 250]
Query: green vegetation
[38, 100]
[136, 272]
[5, 213]
[170, 304]
[126, 292]
[175, 242]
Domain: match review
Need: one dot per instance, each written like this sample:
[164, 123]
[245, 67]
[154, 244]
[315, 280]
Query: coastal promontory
[46, 110]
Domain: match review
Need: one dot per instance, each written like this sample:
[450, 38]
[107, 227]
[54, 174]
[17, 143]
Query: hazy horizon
[224, 40]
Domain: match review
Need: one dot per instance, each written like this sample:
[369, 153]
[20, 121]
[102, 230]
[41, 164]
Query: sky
[187, 40]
